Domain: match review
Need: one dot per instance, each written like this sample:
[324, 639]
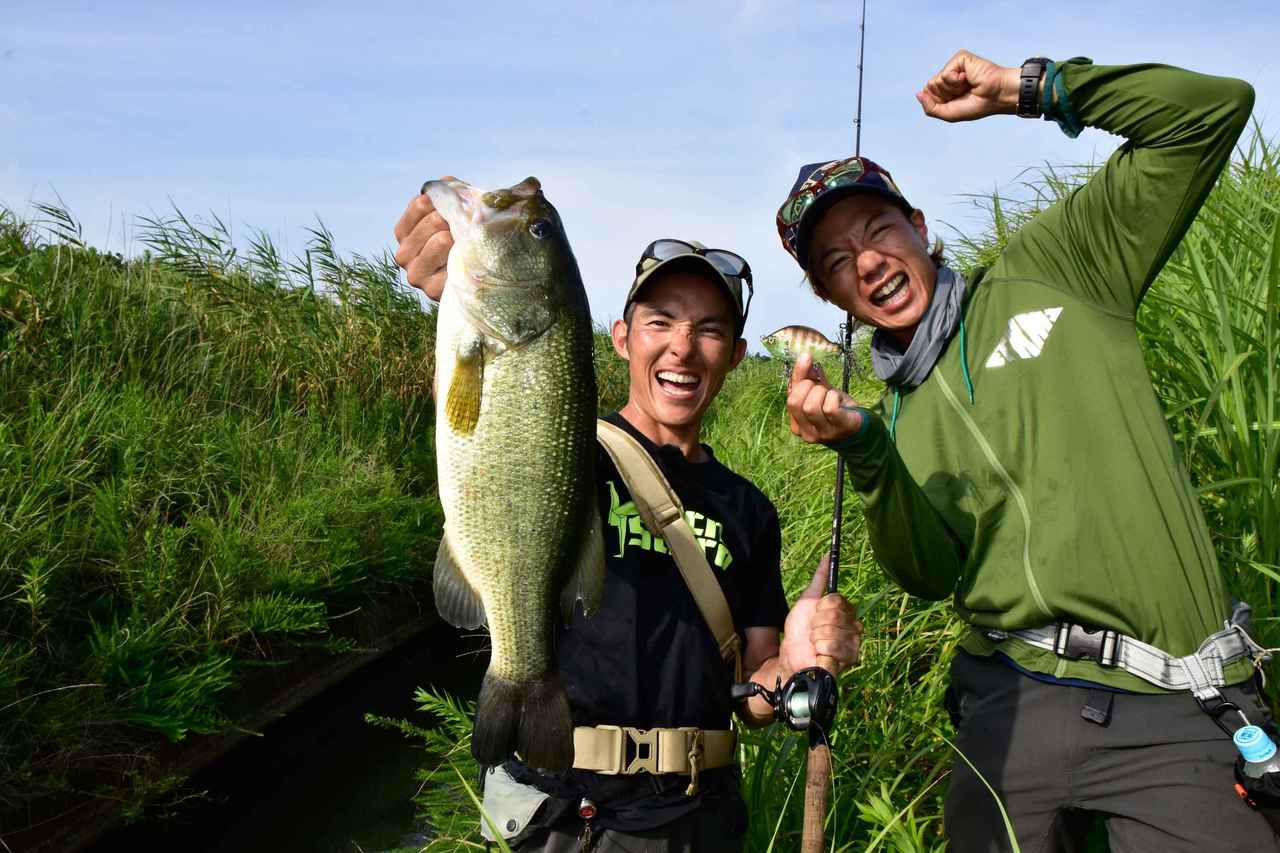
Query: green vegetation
[207, 460]
[1213, 334]
[1211, 327]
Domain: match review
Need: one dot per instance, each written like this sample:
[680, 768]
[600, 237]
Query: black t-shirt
[647, 657]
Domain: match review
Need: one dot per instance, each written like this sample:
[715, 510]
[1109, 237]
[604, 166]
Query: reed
[1212, 333]
[212, 451]
[207, 457]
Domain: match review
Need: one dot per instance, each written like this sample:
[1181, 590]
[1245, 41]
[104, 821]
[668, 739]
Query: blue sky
[641, 119]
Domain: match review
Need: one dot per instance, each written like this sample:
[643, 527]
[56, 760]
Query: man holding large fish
[638, 662]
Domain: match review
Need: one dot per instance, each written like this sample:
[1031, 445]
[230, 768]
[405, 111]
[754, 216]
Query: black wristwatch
[1029, 87]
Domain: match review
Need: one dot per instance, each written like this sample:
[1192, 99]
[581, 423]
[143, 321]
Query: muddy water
[321, 780]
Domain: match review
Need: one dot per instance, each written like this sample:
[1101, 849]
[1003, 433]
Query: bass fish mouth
[464, 206]
[455, 200]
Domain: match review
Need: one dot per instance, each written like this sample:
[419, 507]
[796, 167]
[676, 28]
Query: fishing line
[862, 49]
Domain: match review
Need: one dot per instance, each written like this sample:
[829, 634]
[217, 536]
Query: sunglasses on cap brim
[728, 263]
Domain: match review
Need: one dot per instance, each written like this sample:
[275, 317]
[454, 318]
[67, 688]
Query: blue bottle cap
[1254, 744]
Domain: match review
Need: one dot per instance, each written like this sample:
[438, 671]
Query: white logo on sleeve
[1025, 336]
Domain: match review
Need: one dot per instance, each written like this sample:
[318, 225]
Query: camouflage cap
[821, 185]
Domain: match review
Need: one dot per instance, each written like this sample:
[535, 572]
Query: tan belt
[622, 749]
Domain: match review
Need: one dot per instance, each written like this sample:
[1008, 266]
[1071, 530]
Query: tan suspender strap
[662, 513]
[622, 749]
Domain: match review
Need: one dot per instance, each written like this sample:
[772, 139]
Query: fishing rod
[807, 702]
[846, 331]
[817, 785]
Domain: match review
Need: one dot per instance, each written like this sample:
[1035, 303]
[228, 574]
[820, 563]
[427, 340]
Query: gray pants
[702, 831]
[1160, 772]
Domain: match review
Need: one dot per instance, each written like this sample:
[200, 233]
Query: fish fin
[498, 710]
[456, 599]
[546, 726]
[462, 406]
[531, 718]
[586, 584]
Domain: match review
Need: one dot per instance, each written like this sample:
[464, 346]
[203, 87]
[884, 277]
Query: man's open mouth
[893, 290]
[678, 384]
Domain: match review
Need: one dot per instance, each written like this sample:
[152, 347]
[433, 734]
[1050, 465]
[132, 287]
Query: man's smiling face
[679, 346]
[872, 259]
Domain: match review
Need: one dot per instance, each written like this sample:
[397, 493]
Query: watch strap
[1029, 87]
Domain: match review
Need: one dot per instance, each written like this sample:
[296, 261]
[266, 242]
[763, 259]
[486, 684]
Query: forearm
[1159, 106]
[1108, 239]
[756, 712]
[911, 541]
[1148, 104]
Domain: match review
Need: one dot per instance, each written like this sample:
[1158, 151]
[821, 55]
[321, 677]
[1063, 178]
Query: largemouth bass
[515, 451]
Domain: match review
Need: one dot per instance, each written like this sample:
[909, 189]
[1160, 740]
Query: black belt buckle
[1076, 642]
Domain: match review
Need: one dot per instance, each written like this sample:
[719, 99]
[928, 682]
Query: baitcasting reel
[807, 701]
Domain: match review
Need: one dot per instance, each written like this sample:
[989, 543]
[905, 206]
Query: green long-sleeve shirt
[1059, 492]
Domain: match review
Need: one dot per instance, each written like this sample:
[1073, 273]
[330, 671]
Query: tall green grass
[1211, 331]
[209, 453]
[207, 456]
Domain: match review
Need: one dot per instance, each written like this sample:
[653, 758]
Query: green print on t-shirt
[631, 532]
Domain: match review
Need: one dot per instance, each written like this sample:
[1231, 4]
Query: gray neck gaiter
[942, 316]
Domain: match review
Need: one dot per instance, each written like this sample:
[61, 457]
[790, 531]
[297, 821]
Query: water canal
[321, 780]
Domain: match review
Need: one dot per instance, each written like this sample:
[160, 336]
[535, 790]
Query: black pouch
[1262, 794]
[1264, 791]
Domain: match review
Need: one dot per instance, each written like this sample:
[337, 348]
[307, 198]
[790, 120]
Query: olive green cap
[647, 269]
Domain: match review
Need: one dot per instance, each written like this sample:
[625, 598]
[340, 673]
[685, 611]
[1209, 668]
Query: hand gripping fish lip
[462, 204]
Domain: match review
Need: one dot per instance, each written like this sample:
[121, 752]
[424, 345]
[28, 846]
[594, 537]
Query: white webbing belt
[1200, 673]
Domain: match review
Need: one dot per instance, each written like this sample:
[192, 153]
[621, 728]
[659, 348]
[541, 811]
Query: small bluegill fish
[790, 341]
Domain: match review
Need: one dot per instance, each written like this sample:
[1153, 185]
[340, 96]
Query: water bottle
[1259, 751]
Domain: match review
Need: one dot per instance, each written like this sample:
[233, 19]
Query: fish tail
[546, 728]
[528, 718]
[498, 711]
